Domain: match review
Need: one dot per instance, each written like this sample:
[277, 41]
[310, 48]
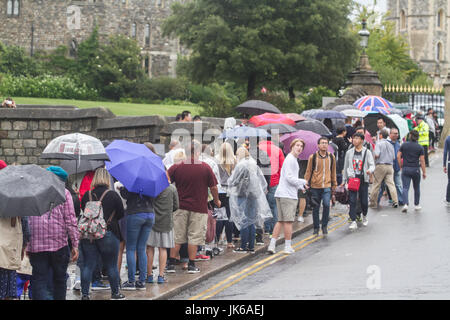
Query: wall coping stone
[55, 114]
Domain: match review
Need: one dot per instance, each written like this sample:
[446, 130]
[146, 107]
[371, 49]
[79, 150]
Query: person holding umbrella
[15, 234]
[286, 196]
[48, 249]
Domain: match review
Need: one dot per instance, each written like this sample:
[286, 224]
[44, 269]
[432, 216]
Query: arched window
[13, 7]
[402, 19]
[440, 19]
[133, 30]
[439, 52]
[147, 34]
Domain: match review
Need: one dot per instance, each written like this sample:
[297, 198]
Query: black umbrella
[29, 190]
[370, 122]
[281, 127]
[255, 107]
[314, 126]
[343, 107]
[74, 167]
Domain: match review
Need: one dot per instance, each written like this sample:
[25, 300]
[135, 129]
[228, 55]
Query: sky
[381, 4]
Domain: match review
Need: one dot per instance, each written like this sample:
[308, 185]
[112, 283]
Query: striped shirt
[49, 232]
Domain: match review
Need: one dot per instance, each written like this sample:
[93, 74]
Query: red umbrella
[294, 116]
[267, 118]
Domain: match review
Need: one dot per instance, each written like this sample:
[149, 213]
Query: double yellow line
[235, 278]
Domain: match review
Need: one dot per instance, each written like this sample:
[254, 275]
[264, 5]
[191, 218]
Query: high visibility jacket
[424, 130]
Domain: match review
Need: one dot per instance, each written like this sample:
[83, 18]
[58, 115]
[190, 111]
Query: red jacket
[276, 160]
[85, 185]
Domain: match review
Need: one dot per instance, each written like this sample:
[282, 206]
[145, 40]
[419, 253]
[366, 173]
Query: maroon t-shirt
[192, 182]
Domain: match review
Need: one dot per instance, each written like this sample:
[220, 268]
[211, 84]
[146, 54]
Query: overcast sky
[381, 4]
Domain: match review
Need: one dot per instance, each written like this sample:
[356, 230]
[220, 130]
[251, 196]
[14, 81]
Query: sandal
[230, 246]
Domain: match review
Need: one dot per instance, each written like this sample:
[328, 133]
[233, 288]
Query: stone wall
[47, 24]
[27, 130]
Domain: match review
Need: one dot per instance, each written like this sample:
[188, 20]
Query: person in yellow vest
[424, 136]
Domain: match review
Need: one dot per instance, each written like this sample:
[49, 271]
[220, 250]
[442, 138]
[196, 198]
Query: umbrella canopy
[294, 116]
[137, 168]
[308, 113]
[29, 190]
[268, 118]
[328, 114]
[401, 124]
[370, 122]
[75, 146]
[313, 125]
[373, 104]
[310, 139]
[73, 167]
[281, 127]
[254, 107]
[244, 132]
[354, 113]
[343, 107]
[396, 111]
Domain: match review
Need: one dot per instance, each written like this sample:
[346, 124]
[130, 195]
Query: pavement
[181, 280]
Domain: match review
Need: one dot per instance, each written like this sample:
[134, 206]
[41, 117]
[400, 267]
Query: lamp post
[364, 34]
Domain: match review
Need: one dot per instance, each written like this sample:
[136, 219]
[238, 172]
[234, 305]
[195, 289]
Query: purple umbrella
[136, 167]
[310, 139]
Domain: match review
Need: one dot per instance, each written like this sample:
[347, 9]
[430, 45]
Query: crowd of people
[249, 188]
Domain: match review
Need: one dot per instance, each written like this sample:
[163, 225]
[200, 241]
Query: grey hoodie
[369, 164]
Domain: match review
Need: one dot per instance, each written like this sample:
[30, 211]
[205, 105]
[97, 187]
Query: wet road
[397, 256]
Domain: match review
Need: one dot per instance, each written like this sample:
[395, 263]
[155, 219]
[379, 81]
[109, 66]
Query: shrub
[313, 98]
[46, 86]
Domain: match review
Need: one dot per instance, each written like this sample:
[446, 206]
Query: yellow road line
[276, 257]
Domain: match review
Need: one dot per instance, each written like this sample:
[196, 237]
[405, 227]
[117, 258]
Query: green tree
[284, 42]
[14, 61]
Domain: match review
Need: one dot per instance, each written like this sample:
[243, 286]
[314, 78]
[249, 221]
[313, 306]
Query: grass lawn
[118, 108]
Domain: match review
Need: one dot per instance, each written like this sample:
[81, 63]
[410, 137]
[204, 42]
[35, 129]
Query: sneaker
[288, 250]
[150, 279]
[271, 250]
[250, 250]
[240, 250]
[193, 269]
[405, 208]
[201, 257]
[300, 219]
[395, 205]
[85, 297]
[77, 285]
[98, 285]
[365, 221]
[170, 268]
[417, 208]
[161, 280]
[117, 296]
[128, 286]
[259, 240]
[316, 232]
[140, 285]
[325, 231]
[353, 226]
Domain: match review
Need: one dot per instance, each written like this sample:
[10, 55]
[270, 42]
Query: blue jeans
[248, 237]
[108, 249]
[269, 224]
[323, 195]
[363, 194]
[44, 264]
[399, 186]
[448, 183]
[408, 174]
[138, 230]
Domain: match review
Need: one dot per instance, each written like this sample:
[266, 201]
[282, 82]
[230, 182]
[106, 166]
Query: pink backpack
[92, 225]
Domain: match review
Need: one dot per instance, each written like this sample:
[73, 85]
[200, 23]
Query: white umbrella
[355, 113]
[401, 124]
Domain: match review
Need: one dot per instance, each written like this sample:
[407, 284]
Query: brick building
[47, 24]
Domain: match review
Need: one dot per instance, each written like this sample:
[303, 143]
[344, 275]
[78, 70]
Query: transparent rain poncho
[246, 189]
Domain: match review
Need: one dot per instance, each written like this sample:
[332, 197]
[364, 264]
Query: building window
[147, 34]
[13, 7]
[146, 64]
[440, 53]
[440, 19]
[133, 30]
[402, 19]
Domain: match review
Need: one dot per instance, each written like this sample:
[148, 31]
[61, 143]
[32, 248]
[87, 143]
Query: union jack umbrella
[373, 104]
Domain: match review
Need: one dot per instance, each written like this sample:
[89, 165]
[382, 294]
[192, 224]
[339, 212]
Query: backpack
[92, 225]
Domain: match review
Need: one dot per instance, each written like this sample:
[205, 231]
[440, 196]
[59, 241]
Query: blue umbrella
[136, 167]
[243, 132]
[328, 114]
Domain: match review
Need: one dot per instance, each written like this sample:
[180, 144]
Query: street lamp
[364, 34]
[364, 59]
